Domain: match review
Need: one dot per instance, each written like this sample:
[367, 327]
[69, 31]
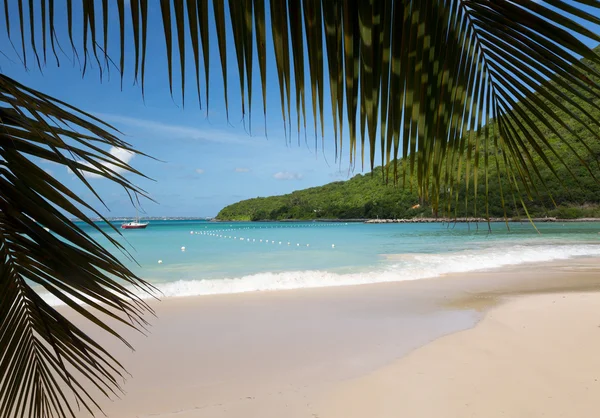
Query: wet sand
[535, 356]
[323, 352]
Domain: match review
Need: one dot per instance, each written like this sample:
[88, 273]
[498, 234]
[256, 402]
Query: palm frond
[420, 72]
[449, 84]
[41, 247]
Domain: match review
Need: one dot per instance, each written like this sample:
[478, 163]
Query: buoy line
[247, 239]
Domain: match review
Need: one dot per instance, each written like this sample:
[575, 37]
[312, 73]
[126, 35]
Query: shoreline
[532, 353]
[288, 353]
[418, 220]
[531, 356]
[479, 220]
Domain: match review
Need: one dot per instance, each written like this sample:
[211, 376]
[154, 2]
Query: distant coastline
[355, 220]
[419, 220]
[474, 220]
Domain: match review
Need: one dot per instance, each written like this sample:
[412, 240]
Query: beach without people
[504, 342]
[337, 320]
[300, 209]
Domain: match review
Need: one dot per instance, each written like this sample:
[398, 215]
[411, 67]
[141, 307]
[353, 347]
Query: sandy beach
[520, 341]
[535, 356]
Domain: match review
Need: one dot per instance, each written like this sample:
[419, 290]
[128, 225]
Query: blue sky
[205, 162]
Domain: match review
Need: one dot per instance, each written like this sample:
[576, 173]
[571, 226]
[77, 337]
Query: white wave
[401, 268]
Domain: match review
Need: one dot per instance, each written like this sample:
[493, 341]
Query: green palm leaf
[39, 348]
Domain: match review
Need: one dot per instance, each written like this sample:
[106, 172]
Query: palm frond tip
[40, 350]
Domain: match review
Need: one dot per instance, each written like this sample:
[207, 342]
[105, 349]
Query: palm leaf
[39, 348]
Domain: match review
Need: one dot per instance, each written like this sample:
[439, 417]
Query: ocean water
[221, 257]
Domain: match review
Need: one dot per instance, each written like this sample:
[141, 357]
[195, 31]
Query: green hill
[368, 197]
[363, 196]
[573, 192]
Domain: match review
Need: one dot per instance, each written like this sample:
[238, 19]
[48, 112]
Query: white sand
[354, 351]
[537, 356]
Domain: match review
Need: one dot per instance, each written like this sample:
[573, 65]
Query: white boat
[135, 224]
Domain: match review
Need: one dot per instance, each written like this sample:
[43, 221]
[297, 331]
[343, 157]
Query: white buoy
[191, 232]
[182, 248]
[307, 245]
[279, 242]
[272, 242]
[332, 245]
[261, 239]
[288, 243]
[159, 261]
[297, 245]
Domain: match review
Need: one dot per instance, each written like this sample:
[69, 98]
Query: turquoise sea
[185, 258]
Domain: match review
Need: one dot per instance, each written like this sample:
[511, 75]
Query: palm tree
[435, 81]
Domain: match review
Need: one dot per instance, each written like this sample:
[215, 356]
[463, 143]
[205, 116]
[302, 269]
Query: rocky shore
[475, 220]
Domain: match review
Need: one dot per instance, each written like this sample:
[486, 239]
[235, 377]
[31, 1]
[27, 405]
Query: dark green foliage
[368, 196]
[46, 361]
[570, 191]
[363, 196]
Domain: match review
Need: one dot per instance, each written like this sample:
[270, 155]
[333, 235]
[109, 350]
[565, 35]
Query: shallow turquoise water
[238, 257]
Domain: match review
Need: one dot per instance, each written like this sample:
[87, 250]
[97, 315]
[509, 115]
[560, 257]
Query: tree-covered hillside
[571, 191]
[363, 196]
[367, 196]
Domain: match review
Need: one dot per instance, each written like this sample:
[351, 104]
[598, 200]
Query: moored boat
[135, 224]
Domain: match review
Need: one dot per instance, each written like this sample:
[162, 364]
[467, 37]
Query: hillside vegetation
[571, 192]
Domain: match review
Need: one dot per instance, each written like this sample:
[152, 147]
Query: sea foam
[396, 268]
[410, 267]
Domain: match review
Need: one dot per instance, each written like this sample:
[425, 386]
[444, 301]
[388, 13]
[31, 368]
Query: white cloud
[121, 154]
[242, 170]
[170, 131]
[286, 175]
[199, 171]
